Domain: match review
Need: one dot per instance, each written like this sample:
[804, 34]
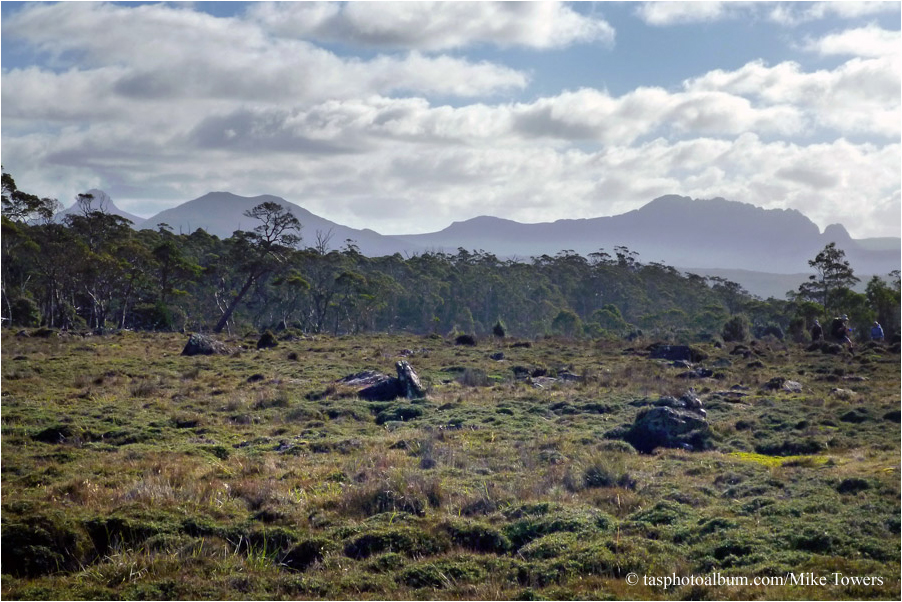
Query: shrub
[567, 323]
[25, 312]
[465, 339]
[736, 329]
[267, 340]
[498, 330]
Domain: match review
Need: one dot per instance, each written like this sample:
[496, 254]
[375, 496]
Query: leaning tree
[260, 252]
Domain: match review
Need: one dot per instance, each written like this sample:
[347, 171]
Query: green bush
[736, 329]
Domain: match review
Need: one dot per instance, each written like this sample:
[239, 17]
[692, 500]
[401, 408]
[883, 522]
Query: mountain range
[766, 250]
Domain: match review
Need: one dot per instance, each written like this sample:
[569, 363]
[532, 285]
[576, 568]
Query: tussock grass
[132, 472]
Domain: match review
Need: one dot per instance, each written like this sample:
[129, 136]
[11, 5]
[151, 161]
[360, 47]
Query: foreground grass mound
[131, 471]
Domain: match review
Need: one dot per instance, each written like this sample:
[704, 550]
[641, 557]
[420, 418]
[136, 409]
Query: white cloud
[201, 58]
[674, 13]
[860, 96]
[792, 14]
[870, 41]
[789, 14]
[432, 26]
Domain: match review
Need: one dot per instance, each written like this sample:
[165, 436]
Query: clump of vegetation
[131, 471]
[465, 339]
[736, 329]
[267, 340]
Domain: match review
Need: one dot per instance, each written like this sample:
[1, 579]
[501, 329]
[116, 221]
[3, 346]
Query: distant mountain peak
[836, 233]
[101, 201]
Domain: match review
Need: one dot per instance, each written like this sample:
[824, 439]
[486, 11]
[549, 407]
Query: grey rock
[409, 382]
[377, 386]
[201, 344]
[792, 386]
[671, 422]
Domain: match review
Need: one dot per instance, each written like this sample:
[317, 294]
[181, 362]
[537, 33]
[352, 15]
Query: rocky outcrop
[377, 386]
[201, 344]
[409, 382]
[671, 422]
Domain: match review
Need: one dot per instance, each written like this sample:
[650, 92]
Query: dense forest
[94, 272]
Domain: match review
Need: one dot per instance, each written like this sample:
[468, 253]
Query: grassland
[131, 472]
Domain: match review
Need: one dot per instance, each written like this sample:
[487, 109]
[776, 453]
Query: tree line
[94, 271]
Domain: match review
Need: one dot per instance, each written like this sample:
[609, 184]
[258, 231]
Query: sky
[403, 117]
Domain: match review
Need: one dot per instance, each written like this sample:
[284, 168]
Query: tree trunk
[231, 308]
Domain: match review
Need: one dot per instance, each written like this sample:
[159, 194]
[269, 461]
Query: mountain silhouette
[100, 202]
[766, 250]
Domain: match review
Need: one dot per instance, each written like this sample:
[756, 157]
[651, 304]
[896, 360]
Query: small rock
[498, 356]
[844, 394]
[792, 386]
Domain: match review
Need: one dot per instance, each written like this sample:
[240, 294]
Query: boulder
[792, 386]
[377, 386]
[671, 422]
[201, 344]
[409, 382]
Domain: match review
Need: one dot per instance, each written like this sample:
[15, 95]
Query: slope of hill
[674, 230]
[222, 213]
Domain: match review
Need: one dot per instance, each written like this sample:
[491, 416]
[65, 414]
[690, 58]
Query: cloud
[870, 41]
[433, 26]
[795, 13]
[201, 58]
[788, 14]
[674, 13]
[860, 96]
[229, 104]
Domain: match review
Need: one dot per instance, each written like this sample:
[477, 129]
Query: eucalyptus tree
[258, 253]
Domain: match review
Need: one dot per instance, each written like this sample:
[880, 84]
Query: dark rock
[774, 384]
[382, 387]
[675, 423]
[755, 364]
[893, 416]
[520, 371]
[498, 356]
[384, 390]
[680, 364]
[255, 378]
[201, 344]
